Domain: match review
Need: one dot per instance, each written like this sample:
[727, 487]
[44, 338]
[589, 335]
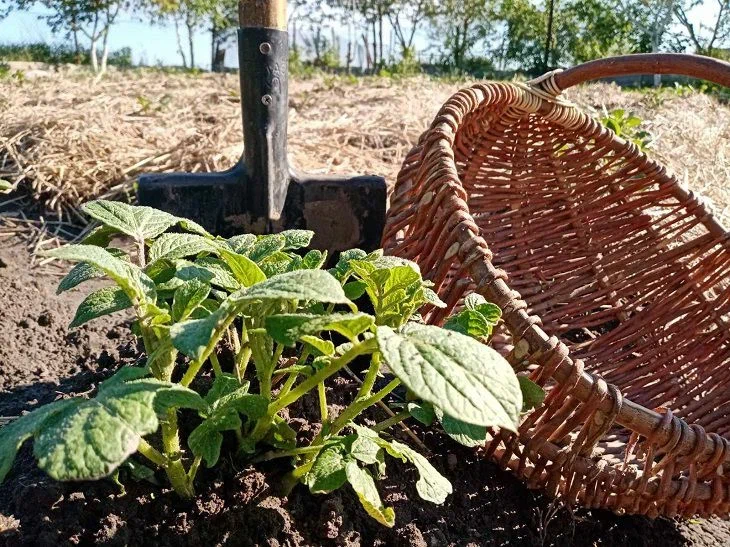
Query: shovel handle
[262, 14]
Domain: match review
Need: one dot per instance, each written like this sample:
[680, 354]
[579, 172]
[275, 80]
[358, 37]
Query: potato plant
[289, 326]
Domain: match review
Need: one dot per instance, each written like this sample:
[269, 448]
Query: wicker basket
[622, 309]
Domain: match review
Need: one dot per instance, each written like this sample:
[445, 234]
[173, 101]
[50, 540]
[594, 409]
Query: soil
[41, 360]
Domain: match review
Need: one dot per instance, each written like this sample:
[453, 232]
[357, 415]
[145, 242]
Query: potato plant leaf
[362, 482]
[314, 285]
[91, 439]
[328, 471]
[197, 337]
[138, 286]
[245, 270]
[14, 434]
[174, 246]
[288, 328]
[5, 186]
[191, 294]
[242, 244]
[137, 221]
[205, 440]
[431, 486]
[532, 394]
[266, 246]
[297, 239]
[83, 271]
[463, 433]
[466, 379]
[102, 302]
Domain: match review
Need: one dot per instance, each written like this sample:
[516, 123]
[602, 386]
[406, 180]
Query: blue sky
[156, 44]
[151, 44]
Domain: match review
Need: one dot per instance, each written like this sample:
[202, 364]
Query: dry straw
[69, 139]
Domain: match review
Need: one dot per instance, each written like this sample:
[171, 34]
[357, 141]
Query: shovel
[262, 193]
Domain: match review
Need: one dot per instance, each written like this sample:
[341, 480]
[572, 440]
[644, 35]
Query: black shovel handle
[263, 54]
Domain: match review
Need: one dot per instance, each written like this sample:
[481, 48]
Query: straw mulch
[67, 139]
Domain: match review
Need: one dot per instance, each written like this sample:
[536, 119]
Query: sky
[157, 44]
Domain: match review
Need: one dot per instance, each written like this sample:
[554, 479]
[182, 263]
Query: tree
[706, 39]
[460, 25]
[90, 18]
[405, 17]
[371, 16]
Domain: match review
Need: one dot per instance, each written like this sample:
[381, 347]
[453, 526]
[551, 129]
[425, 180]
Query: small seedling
[627, 126]
[292, 326]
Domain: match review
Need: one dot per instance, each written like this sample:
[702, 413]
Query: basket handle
[694, 66]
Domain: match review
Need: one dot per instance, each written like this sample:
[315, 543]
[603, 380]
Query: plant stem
[358, 405]
[393, 420]
[152, 454]
[266, 456]
[322, 401]
[243, 355]
[216, 364]
[191, 373]
[262, 426]
[194, 470]
[286, 388]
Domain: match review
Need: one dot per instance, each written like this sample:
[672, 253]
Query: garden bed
[41, 360]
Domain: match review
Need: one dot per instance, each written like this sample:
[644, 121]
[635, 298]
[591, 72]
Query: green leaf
[174, 246]
[245, 270]
[83, 271]
[105, 301]
[138, 286]
[281, 435]
[188, 297]
[328, 471]
[100, 236]
[463, 433]
[362, 482]
[279, 263]
[288, 328]
[466, 379]
[14, 434]
[365, 449]
[242, 244]
[296, 239]
[314, 285]
[205, 440]
[321, 347]
[224, 384]
[177, 396]
[212, 270]
[250, 405]
[478, 303]
[137, 221]
[313, 260]
[423, 412]
[355, 289]
[342, 269]
[192, 226]
[197, 337]
[90, 440]
[532, 394]
[470, 323]
[266, 246]
[5, 186]
[432, 298]
[431, 486]
[396, 290]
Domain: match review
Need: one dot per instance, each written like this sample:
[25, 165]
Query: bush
[59, 54]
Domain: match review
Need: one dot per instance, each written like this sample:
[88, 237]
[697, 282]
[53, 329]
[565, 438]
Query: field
[66, 138]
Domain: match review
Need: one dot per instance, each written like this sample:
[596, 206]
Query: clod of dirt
[45, 320]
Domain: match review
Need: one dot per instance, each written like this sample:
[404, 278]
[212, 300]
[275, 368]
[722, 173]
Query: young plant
[291, 325]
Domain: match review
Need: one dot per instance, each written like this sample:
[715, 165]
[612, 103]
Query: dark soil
[41, 360]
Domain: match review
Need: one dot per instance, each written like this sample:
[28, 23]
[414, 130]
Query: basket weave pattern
[612, 281]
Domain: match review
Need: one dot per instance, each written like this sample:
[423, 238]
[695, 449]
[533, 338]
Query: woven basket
[622, 309]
